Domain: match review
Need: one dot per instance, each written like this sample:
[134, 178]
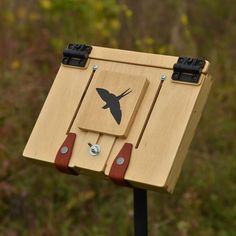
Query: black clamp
[188, 69]
[76, 55]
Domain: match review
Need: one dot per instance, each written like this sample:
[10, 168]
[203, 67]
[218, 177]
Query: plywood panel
[81, 159]
[50, 129]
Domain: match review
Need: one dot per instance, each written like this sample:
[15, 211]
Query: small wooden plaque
[111, 103]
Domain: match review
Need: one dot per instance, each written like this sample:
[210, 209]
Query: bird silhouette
[113, 102]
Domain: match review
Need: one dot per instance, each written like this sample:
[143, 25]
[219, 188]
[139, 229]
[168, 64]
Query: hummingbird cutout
[113, 102]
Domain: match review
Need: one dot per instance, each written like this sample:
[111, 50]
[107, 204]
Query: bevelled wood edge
[137, 58]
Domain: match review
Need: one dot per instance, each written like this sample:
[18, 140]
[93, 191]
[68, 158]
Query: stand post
[140, 212]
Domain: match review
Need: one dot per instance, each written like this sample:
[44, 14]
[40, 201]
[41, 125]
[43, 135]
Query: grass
[35, 200]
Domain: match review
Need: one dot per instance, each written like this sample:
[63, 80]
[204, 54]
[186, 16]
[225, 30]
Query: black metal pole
[140, 212]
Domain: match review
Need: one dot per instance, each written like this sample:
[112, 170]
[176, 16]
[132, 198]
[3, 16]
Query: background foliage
[36, 200]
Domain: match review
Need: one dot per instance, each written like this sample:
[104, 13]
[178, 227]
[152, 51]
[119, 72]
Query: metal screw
[95, 67]
[120, 161]
[95, 149]
[64, 150]
[189, 60]
[163, 77]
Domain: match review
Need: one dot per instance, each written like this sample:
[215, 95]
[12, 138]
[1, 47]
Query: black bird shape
[113, 102]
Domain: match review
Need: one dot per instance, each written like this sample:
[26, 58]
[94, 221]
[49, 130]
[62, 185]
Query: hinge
[188, 70]
[76, 55]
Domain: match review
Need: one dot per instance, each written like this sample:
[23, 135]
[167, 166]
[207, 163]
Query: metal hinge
[76, 55]
[188, 69]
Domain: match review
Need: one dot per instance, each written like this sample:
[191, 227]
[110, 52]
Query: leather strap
[64, 154]
[120, 165]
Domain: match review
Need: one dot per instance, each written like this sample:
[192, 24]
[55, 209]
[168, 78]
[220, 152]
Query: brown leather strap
[120, 165]
[64, 154]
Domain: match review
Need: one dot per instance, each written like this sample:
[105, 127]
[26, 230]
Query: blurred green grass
[35, 200]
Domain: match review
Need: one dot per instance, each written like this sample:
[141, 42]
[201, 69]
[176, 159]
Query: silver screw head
[64, 150]
[94, 149]
[95, 67]
[120, 161]
[163, 77]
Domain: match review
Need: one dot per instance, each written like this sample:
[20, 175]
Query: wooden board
[106, 109]
[81, 159]
[55, 117]
[158, 119]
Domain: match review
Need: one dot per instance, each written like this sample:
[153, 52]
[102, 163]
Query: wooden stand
[125, 116]
[140, 212]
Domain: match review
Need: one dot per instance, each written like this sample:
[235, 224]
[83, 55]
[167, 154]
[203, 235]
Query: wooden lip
[137, 58]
